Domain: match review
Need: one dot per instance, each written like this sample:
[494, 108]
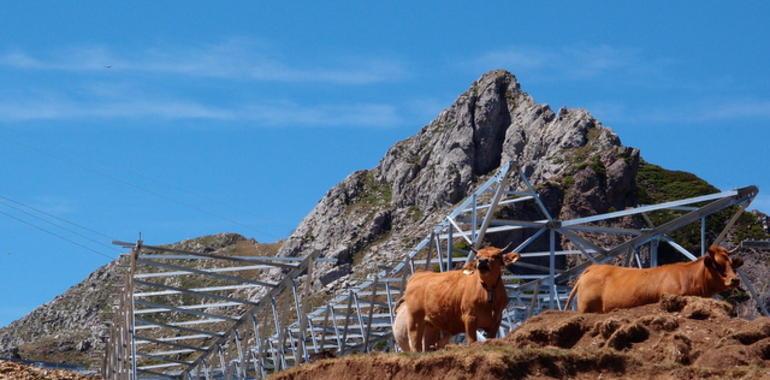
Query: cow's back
[604, 288]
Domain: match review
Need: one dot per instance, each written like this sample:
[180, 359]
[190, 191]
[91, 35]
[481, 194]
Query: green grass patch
[656, 185]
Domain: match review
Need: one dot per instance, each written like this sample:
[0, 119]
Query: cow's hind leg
[588, 303]
[416, 332]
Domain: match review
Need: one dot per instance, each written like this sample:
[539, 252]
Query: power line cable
[91, 230]
[56, 235]
[147, 190]
[60, 226]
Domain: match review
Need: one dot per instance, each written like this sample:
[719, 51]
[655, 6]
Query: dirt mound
[679, 337]
[16, 371]
[677, 330]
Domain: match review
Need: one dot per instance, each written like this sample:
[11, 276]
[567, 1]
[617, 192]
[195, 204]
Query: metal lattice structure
[279, 331]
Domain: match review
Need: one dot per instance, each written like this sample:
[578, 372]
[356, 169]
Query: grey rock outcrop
[583, 164]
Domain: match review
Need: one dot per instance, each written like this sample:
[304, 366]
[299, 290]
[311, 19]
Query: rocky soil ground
[15, 371]
[680, 337]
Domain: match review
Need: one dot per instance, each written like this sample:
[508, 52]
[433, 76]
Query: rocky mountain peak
[493, 121]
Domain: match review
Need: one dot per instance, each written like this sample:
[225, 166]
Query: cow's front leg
[491, 332]
[470, 328]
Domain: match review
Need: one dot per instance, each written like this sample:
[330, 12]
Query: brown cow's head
[490, 261]
[722, 268]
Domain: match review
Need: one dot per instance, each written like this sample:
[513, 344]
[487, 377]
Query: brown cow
[460, 300]
[603, 288]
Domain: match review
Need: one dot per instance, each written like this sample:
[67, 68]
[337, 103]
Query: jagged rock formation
[579, 166]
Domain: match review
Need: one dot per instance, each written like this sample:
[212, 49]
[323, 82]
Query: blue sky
[179, 119]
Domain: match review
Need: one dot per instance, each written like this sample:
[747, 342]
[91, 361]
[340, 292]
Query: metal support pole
[241, 367]
[206, 371]
[703, 236]
[429, 257]
[438, 253]
[474, 216]
[260, 365]
[325, 328]
[302, 350]
[449, 248]
[312, 336]
[358, 314]
[258, 374]
[294, 346]
[340, 344]
[501, 185]
[654, 252]
[552, 266]
[222, 363]
[132, 332]
[389, 295]
[276, 358]
[371, 314]
[636, 257]
[279, 333]
[348, 311]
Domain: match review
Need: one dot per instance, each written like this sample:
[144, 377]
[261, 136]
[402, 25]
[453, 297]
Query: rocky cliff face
[579, 167]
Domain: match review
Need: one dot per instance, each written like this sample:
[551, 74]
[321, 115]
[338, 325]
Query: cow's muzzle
[735, 282]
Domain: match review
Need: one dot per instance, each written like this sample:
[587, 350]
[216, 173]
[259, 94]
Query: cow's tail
[398, 303]
[571, 294]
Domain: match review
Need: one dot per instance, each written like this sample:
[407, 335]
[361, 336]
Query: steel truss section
[181, 310]
[278, 331]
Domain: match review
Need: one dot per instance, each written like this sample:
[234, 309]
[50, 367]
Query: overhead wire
[148, 190]
[58, 225]
[91, 230]
[64, 238]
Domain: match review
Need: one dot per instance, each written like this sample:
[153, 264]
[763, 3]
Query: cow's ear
[737, 262]
[510, 258]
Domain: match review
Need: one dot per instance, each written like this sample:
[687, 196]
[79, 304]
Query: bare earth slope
[679, 338]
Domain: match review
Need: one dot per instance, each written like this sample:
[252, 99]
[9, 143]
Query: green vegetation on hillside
[656, 184]
[376, 193]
